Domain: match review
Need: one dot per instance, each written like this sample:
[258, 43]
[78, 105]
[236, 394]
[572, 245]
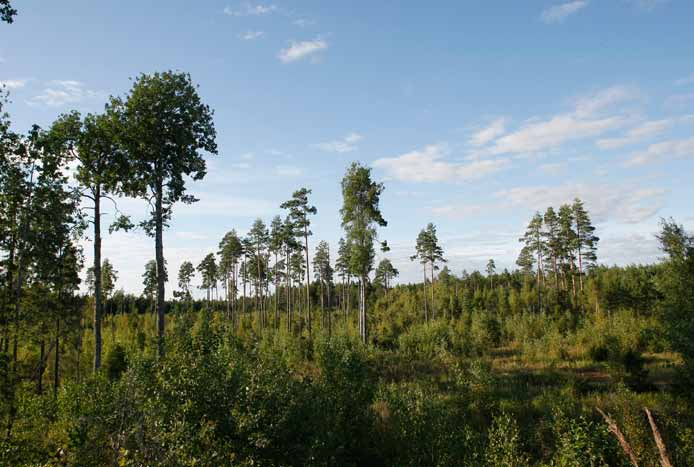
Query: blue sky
[474, 114]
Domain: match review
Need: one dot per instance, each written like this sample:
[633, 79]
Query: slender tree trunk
[288, 281]
[97, 278]
[161, 276]
[308, 282]
[56, 362]
[363, 310]
[42, 358]
[433, 306]
[424, 284]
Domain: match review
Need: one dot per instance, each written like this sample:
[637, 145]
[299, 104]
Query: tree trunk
[433, 306]
[42, 362]
[288, 281]
[424, 284]
[159, 250]
[308, 282]
[97, 278]
[56, 362]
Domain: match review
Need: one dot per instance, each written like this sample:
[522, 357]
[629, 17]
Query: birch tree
[361, 215]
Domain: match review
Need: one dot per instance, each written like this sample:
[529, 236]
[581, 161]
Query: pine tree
[552, 238]
[535, 245]
[586, 240]
[185, 277]
[299, 210]
[491, 271]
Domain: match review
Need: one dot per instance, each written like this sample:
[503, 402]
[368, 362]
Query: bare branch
[620, 437]
[664, 458]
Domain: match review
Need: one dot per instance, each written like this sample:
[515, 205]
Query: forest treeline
[302, 356]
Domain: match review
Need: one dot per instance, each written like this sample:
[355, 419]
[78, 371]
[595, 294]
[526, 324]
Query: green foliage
[504, 447]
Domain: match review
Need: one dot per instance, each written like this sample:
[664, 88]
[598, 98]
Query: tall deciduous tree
[361, 215]
[299, 210]
[165, 128]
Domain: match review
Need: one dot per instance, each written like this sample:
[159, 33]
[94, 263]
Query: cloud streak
[300, 50]
[428, 165]
[341, 146]
[558, 13]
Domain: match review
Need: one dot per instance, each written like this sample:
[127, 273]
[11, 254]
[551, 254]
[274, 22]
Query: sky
[473, 114]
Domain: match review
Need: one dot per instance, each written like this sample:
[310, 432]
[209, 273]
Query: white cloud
[341, 146]
[588, 119]
[248, 9]
[289, 171]
[549, 134]
[677, 149]
[558, 13]
[247, 156]
[299, 50]
[625, 204]
[427, 165]
[636, 134]
[13, 83]
[251, 35]
[588, 106]
[495, 129]
[61, 92]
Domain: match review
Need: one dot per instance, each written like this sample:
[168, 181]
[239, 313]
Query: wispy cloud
[621, 203]
[341, 146]
[672, 149]
[588, 119]
[558, 13]
[300, 50]
[635, 135]
[62, 92]
[251, 35]
[428, 165]
[249, 9]
[483, 136]
[12, 84]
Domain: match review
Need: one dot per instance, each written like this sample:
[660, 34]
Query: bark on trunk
[159, 249]
[97, 279]
[308, 282]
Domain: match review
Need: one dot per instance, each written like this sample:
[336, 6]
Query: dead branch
[664, 458]
[620, 437]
